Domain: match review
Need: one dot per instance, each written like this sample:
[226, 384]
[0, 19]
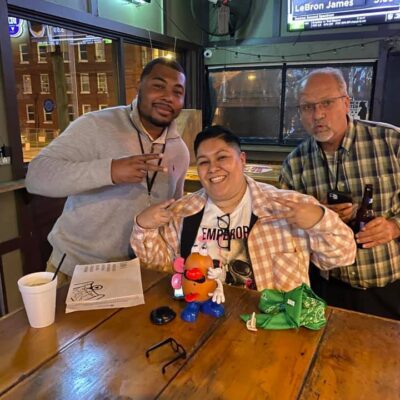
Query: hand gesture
[346, 211]
[378, 231]
[218, 295]
[155, 216]
[300, 215]
[133, 169]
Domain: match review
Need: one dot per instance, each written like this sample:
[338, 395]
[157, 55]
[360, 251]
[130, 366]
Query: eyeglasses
[223, 237]
[308, 108]
[178, 348]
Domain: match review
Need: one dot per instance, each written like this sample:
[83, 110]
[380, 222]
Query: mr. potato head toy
[201, 284]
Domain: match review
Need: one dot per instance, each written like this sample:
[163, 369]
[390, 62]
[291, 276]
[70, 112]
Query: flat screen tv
[311, 14]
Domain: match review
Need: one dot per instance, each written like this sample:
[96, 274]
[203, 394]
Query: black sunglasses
[178, 348]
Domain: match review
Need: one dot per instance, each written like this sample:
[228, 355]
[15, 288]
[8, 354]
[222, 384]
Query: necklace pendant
[148, 200]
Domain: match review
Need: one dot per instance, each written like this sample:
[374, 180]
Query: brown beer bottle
[365, 213]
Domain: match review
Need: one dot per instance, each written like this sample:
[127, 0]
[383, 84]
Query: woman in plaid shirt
[261, 236]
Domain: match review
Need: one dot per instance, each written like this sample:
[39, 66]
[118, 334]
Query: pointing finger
[155, 168]
[148, 157]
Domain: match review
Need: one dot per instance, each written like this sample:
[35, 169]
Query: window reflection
[248, 101]
[359, 87]
[59, 77]
[136, 57]
[241, 96]
[62, 74]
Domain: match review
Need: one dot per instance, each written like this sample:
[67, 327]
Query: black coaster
[162, 315]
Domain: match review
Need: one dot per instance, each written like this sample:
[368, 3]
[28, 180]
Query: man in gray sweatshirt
[112, 164]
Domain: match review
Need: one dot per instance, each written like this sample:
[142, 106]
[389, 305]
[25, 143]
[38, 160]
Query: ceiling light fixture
[138, 2]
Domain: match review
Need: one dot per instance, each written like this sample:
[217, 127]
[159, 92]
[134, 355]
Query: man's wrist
[395, 228]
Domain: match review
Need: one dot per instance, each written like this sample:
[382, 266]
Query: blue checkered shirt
[369, 154]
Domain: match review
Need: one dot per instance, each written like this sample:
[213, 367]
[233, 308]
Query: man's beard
[323, 136]
[149, 118]
[155, 122]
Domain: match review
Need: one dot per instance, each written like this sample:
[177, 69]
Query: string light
[308, 55]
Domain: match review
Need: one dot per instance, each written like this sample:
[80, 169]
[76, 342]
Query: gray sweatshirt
[96, 223]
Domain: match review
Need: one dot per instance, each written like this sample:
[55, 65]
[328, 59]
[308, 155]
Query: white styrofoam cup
[39, 298]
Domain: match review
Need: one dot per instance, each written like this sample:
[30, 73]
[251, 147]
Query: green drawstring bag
[286, 310]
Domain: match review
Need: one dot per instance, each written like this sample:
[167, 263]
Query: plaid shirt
[279, 253]
[370, 153]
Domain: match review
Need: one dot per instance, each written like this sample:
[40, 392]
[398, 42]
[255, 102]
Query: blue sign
[15, 26]
[48, 105]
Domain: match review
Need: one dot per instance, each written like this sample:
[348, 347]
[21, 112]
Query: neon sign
[15, 26]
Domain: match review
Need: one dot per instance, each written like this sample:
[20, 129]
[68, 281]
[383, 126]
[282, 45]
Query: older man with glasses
[341, 156]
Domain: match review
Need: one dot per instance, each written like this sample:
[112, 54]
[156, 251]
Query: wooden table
[101, 355]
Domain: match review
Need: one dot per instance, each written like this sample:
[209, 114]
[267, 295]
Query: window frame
[284, 67]
[40, 58]
[81, 75]
[42, 91]
[89, 106]
[70, 107]
[80, 52]
[102, 85]
[28, 120]
[100, 52]
[22, 53]
[88, 24]
[46, 114]
[65, 51]
[24, 91]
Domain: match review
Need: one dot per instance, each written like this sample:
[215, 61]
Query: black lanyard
[149, 181]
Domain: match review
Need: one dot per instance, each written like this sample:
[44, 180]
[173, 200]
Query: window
[23, 53]
[144, 55]
[44, 83]
[68, 83]
[27, 84]
[86, 108]
[71, 114]
[50, 134]
[30, 113]
[257, 95]
[136, 57]
[83, 53]
[359, 87]
[85, 84]
[65, 51]
[47, 116]
[42, 52]
[247, 95]
[102, 83]
[100, 52]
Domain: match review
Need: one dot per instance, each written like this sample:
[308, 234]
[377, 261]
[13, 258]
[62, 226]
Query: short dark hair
[162, 61]
[217, 132]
